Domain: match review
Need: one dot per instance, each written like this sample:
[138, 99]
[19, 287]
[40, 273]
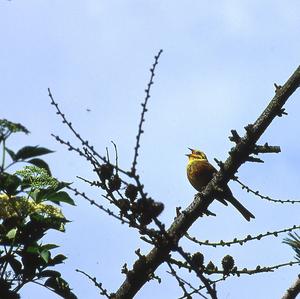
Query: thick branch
[293, 291]
[142, 268]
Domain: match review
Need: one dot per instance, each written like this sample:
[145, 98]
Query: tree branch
[293, 291]
[142, 268]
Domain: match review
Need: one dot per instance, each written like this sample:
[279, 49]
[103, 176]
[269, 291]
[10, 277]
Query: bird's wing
[212, 170]
[227, 193]
[204, 167]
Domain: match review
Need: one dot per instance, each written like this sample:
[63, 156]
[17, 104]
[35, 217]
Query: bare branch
[144, 110]
[238, 155]
[248, 189]
[212, 292]
[266, 148]
[294, 290]
[241, 241]
[180, 281]
[99, 206]
[99, 285]
[235, 271]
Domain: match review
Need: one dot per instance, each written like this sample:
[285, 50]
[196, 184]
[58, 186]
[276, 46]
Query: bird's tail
[246, 214]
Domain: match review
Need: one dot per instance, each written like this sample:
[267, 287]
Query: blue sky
[216, 73]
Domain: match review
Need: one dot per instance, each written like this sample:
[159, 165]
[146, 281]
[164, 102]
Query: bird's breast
[199, 173]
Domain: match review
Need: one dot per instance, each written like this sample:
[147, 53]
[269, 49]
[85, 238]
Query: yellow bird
[200, 172]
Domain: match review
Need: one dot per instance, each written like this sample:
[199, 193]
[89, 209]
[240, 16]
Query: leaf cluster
[30, 201]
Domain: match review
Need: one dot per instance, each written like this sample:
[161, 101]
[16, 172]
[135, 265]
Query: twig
[196, 291]
[235, 271]
[266, 149]
[92, 202]
[248, 189]
[116, 152]
[179, 280]
[103, 291]
[212, 292]
[241, 241]
[184, 221]
[69, 146]
[144, 110]
[69, 124]
[183, 282]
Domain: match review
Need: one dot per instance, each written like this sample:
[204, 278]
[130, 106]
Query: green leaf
[12, 233]
[43, 194]
[49, 246]
[62, 185]
[58, 259]
[40, 195]
[51, 283]
[39, 224]
[11, 153]
[9, 183]
[33, 249]
[40, 163]
[60, 287]
[32, 232]
[31, 151]
[49, 273]
[45, 255]
[34, 194]
[61, 196]
[15, 265]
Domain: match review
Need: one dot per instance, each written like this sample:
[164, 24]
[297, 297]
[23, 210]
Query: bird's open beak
[190, 150]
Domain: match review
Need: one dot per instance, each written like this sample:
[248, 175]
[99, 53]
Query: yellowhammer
[200, 172]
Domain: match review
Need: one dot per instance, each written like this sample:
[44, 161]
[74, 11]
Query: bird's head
[196, 155]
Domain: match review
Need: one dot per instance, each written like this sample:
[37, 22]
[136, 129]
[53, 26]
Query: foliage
[294, 242]
[29, 208]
